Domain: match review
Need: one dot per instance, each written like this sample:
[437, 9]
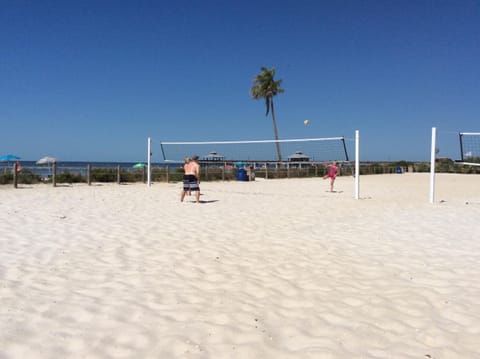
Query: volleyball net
[469, 156]
[470, 148]
[291, 150]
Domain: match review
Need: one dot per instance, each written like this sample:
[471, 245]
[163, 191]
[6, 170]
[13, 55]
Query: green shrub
[6, 178]
[103, 175]
[28, 177]
[68, 177]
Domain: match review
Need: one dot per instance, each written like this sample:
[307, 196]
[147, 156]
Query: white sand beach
[264, 269]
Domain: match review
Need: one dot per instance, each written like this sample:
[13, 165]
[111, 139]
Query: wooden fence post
[15, 177]
[54, 174]
[89, 174]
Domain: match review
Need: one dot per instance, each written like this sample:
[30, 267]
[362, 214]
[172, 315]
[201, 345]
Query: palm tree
[264, 86]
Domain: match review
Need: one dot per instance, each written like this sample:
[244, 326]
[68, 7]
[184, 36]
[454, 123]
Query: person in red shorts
[332, 174]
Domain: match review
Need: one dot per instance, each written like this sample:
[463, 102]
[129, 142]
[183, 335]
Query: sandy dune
[264, 269]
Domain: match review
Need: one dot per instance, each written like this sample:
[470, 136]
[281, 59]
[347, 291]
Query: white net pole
[357, 164]
[432, 164]
[149, 160]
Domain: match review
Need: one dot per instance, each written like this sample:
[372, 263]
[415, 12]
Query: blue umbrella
[9, 158]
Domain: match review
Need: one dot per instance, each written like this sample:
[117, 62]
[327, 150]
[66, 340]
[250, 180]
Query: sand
[264, 269]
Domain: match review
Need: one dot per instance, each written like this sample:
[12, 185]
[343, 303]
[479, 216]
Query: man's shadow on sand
[203, 202]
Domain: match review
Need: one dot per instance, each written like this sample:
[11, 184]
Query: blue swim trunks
[190, 183]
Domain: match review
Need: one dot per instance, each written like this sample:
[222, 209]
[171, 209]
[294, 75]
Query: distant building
[214, 156]
[298, 156]
[298, 159]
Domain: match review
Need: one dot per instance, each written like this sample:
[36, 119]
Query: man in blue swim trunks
[191, 179]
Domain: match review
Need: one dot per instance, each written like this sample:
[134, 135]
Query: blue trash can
[399, 170]
[242, 175]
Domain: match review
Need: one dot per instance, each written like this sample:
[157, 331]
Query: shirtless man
[187, 161]
[191, 179]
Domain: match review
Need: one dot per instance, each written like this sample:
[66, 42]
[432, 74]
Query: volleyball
[306, 122]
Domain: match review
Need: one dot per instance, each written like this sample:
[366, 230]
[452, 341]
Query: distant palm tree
[264, 86]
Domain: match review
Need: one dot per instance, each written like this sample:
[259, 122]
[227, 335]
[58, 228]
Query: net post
[357, 164]
[432, 165]
[461, 146]
[149, 158]
[345, 149]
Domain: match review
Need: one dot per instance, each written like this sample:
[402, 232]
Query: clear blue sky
[91, 80]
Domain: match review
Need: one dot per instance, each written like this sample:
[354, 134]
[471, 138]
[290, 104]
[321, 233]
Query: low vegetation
[219, 173]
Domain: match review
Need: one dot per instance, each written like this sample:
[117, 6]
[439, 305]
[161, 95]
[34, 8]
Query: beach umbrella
[139, 165]
[47, 159]
[239, 164]
[8, 158]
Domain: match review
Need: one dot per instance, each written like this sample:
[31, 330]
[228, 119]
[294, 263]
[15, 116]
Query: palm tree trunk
[275, 131]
